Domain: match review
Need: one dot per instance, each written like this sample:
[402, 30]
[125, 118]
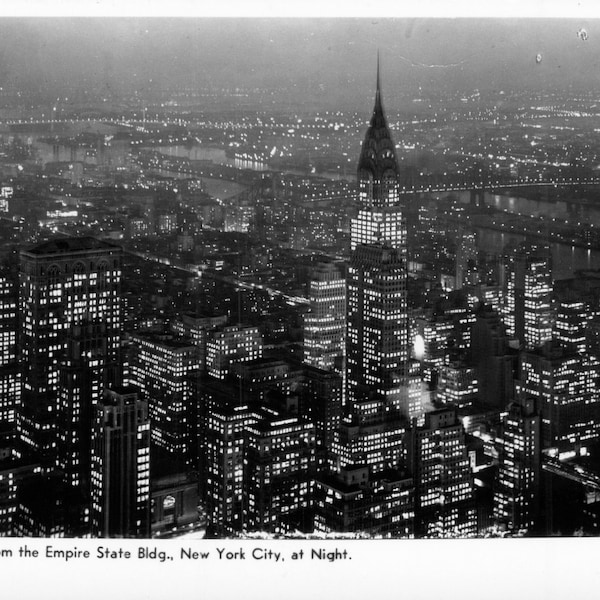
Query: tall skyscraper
[377, 338]
[528, 313]
[325, 323]
[279, 472]
[70, 342]
[10, 374]
[162, 367]
[445, 504]
[229, 345]
[121, 465]
[517, 489]
[565, 385]
[495, 363]
[570, 324]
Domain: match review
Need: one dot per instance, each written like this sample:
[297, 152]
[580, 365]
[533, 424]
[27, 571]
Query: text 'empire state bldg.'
[377, 342]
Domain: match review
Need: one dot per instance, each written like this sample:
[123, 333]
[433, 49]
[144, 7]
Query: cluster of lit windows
[229, 345]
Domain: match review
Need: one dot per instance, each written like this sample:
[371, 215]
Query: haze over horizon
[332, 58]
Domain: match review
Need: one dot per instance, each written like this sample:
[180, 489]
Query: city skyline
[239, 301]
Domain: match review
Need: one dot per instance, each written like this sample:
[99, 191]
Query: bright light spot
[419, 347]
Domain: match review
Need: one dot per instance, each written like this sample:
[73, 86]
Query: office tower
[163, 367]
[377, 336]
[592, 336]
[565, 386]
[262, 376]
[466, 259]
[373, 434]
[457, 385]
[279, 473]
[321, 404]
[355, 501]
[495, 363]
[325, 323]
[121, 465]
[432, 335]
[380, 219]
[10, 373]
[377, 331]
[196, 327]
[517, 488]
[229, 345]
[571, 323]
[223, 429]
[14, 475]
[71, 323]
[528, 314]
[438, 457]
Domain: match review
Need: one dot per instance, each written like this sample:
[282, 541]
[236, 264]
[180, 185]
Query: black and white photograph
[267, 280]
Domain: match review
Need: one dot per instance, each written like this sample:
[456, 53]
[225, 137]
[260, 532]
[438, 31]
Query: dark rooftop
[70, 244]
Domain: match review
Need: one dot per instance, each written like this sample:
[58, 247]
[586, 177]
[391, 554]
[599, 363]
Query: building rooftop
[69, 245]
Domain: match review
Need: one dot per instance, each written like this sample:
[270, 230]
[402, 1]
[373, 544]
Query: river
[218, 157]
[566, 259]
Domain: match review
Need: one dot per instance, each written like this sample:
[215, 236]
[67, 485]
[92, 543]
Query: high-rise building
[528, 311]
[377, 333]
[445, 505]
[380, 219]
[229, 345]
[321, 404]
[279, 474]
[325, 323]
[517, 489]
[121, 465]
[571, 323]
[373, 434]
[457, 385]
[10, 373]
[495, 363]
[196, 328]
[70, 343]
[163, 366]
[565, 386]
[466, 259]
[377, 337]
[355, 501]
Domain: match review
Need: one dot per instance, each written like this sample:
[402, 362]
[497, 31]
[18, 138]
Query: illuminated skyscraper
[517, 489]
[121, 465]
[70, 341]
[10, 374]
[380, 219]
[229, 345]
[565, 385]
[279, 474]
[162, 367]
[377, 338]
[528, 314]
[445, 504]
[325, 324]
[223, 429]
[571, 323]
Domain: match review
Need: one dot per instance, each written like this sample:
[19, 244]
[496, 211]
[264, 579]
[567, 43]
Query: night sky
[335, 57]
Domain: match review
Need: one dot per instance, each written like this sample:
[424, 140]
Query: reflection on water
[195, 152]
[566, 259]
[218, 157]
[558, 210]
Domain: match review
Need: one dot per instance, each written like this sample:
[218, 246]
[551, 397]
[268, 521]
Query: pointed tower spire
[378, 88]
[378, 119]
[378, 154]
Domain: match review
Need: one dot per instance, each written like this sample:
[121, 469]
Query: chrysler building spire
[377, 166]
